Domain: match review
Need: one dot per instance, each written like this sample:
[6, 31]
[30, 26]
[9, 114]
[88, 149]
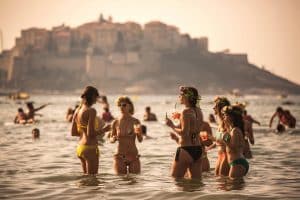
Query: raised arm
[41, 107]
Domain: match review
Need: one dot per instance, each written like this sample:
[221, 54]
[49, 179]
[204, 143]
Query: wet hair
[88, 94]
[148, 108]
[29, 105]
[221, 102]
[191, 93]
[36, 132]
[279, 109]
[20, 110]
[127, 100]
[235, 115]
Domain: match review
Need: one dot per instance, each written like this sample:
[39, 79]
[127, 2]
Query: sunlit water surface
[49, 169]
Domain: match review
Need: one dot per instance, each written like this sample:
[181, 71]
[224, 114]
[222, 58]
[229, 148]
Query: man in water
[148, 116]
[35, 133]
[20, 117]
[106, 115]
[285, 118]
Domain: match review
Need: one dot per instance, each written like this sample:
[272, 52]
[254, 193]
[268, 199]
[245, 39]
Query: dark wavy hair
[235, 114]
[191, 93]
[88, 94]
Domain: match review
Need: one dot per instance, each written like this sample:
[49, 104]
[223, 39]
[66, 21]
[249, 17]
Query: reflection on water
[189, 185]
[48, 168]
[128, 179]
[227, 184]
[88, 180]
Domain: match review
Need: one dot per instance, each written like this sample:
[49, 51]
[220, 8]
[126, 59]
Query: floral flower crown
[221, 101]
[185, 91]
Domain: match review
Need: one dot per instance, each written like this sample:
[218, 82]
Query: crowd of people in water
[192, 134]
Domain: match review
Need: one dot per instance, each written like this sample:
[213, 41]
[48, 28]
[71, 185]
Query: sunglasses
[122, 105]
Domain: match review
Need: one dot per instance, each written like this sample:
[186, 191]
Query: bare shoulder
[186, 111]
[92, 111]
[135, 120]
[235, 131]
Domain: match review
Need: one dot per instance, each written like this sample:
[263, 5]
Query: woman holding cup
[125, 130]
[188, 156]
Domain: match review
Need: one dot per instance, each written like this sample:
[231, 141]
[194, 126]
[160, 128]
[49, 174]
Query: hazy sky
[267, 30]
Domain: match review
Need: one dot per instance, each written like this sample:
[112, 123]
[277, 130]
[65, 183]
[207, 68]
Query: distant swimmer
[35, 133]
[234, 140]
[188, 156]
[103, 100]
[149, 116]
[85, 126]
[106, 115]
[126, 129]
[21, 117]
[285, 118]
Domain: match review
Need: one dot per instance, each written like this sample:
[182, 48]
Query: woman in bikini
[125, 130]
[234, 140]
[188, 156]
[85, 126]
[222, 167]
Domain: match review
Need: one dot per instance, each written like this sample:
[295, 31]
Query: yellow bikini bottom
[82, 149]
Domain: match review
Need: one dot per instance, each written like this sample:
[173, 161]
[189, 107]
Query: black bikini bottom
[194, 151]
